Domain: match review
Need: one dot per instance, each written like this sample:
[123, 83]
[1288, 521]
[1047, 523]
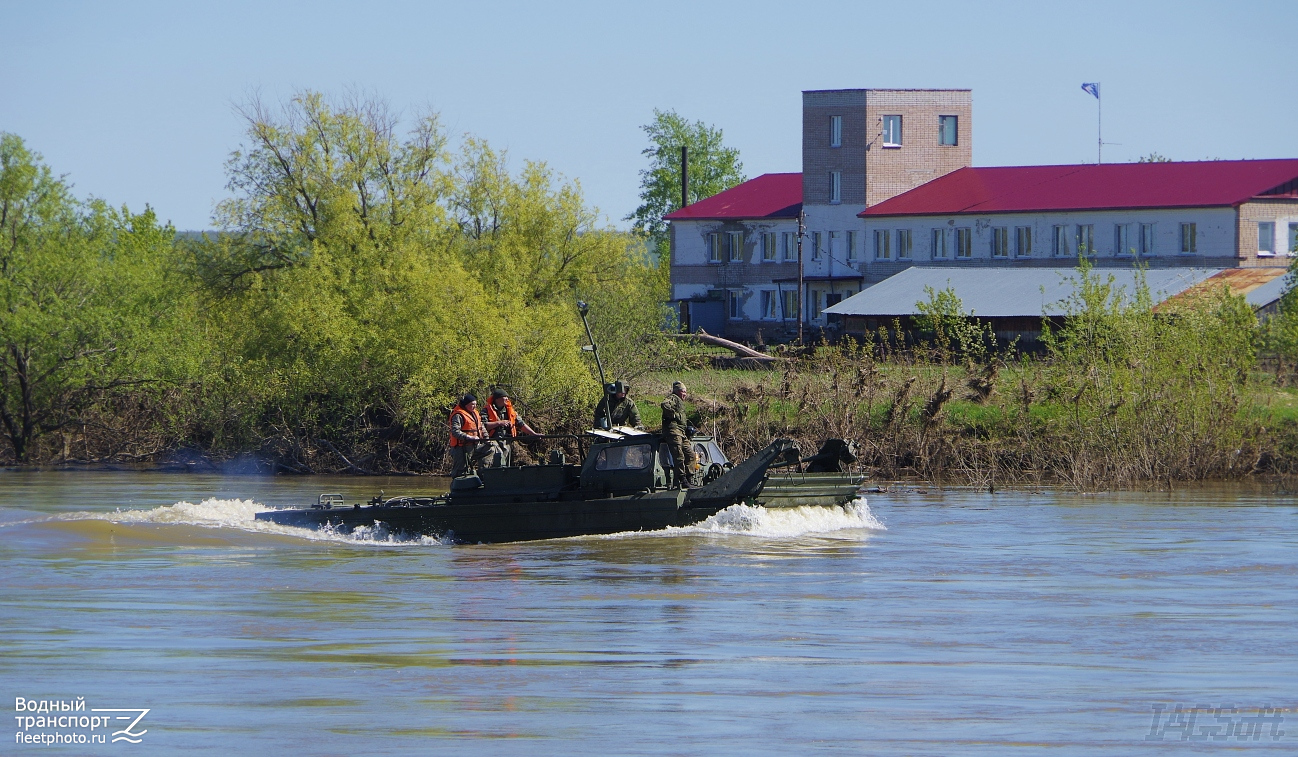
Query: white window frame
[714, 247]
[905, 246]
[955, 131]
[1022, 241]
[1121, 240]
[770, 305]
[882, 244]
[1269, 226]
[891, 134]
[734, 308]
[1059, 240]
[735, 246]
[789, 304]
[940, 249]
[1189, 238]
[835, 187]
[817, 244]
[835, 131]
[769, 249]
[963, 243]
[1291, 248]
[1146, 239]
[1086, 238]
[851, 245]
[790, 246]
[1000, 242]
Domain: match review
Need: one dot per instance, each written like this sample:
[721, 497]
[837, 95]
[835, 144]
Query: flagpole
[1099, 127]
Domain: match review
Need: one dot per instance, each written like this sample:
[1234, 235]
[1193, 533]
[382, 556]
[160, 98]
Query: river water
[917, 622]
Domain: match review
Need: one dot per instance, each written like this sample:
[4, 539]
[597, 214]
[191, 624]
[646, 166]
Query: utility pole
[802, 231]
[685, 175]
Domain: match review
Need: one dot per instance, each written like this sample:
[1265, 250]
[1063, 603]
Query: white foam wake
[779, 522]
[241, 514]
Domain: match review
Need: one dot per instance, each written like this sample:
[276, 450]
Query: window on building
[1000, 242]
[736, 245]
[1086, 239]
[948, 131]
[851, 245]
[835, 131]
[1121, 239]
[1059, 246]
[770, 305]
[1023, 242]
[939, 249]
[1189, 242]
[789, 308]
[964, 243]
[892, 131]
[903, 244]
[735, 311]
[790, 245]
[714, 248]
[1266, 238]
[1293, 238]
[768, 246]
[835, 248]
[835, 186]
[882, 244]
[1146, 239]
[817, 244]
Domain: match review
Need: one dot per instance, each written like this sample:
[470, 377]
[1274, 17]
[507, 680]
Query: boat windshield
[631, 457]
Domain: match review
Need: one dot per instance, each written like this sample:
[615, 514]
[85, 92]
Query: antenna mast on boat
[593, 348]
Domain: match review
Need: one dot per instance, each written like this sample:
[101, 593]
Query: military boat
[623, 484]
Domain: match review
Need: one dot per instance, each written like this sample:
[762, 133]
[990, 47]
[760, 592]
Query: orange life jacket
[470, 426]
[510, 416]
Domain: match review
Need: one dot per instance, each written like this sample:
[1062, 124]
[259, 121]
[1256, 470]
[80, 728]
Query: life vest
[510, 416]
[470, 427]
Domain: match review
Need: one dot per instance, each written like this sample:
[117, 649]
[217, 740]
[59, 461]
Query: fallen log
[745, 356]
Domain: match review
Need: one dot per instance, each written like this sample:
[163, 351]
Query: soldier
[676, 432]
[468, 433]
[504, 425]
[624, 411]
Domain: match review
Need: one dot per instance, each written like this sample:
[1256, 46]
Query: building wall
[1283, 213]
[920, 158]
[1215, 238]
[871, 172]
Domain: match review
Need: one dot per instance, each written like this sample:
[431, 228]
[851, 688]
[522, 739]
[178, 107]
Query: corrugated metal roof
[1004, 292]
[771, 195]
[1268, 293]
[1239, 280]
[1032, 189]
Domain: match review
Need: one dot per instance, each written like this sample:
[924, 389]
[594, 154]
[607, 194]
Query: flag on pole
[1093, 88]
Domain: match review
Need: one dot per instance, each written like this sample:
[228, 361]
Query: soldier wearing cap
[623, 411]
[677, 435]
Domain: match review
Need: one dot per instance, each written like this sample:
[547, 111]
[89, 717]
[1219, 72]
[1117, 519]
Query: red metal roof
[771, 195]
[1026, 189]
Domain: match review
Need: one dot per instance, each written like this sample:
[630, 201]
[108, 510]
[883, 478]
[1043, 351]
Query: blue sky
[134, 102]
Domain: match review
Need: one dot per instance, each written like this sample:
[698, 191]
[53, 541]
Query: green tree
[713, 168]
[83, 290]
[1154, 157]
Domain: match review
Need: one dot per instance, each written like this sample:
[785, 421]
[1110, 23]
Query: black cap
[466, 399]
[498, 393]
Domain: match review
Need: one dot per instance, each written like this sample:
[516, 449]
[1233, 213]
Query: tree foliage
[84, 290]
[713, 168]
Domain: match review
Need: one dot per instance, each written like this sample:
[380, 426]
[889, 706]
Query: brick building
[734, 256]
[888, 183]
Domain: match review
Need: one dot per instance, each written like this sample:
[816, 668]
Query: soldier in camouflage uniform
[677, 435]
[624, 411]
